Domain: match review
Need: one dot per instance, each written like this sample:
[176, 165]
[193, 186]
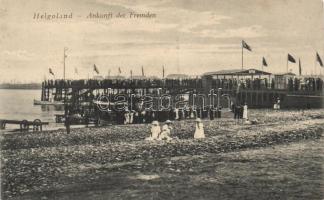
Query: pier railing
[254, 91]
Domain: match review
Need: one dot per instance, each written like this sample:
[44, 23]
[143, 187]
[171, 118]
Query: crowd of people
[290, 84]
[125, 83]
[234, 83]
[167, 116]
[148, 116]
[240, 112]
[163, 132]
[306, 84]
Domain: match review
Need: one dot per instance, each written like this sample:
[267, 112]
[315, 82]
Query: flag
[143, 71]
[75, 70]
[319, 60]
[163, 71]
[291, 59]
[246, 46]
[50, 71]
[119, 70]
[95, 69]
[264, 62]
[300, 69]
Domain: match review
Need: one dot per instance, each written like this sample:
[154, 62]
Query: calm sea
[18, 105]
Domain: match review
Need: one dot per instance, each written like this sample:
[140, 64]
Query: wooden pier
[257, 88]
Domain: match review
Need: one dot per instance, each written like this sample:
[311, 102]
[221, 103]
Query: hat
[168, 122]
[155, 123]
[198, 120]
[165, 127]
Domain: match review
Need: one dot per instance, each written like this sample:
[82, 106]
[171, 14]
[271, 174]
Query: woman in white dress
[155, 131]
[278, 104]
[165, 133]
[169, 123]
[199, 133]
[131, 117]
[245, 112]
[126, 117]
[176, 113]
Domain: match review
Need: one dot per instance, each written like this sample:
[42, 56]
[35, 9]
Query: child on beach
[199, 132]
[165, 134]
[155, 131]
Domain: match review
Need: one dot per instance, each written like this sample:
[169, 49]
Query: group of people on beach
[164, 133]
[148, 116]
[240, 112]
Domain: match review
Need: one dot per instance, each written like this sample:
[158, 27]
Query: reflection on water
[18, 105]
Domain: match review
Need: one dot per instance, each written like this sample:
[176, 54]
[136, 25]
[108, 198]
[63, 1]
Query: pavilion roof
[235, 72]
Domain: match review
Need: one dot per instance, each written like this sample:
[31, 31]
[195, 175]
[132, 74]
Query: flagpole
[242, 54]
[163, 71]
[287, 64]
[315, 72]
[64, 64]
[299, 67]
[315, 67]
[92, 73]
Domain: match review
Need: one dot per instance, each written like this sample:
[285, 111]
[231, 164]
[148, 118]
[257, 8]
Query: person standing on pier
[245, 112]
[278, 103]
[176, 113]
[238, 113]
[131, 117]
[169, 123]
[126, 117]
[67, 118]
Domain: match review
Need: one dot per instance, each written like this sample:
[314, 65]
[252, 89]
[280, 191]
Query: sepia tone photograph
[161, 99]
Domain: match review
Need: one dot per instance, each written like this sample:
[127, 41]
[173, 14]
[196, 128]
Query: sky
[186, 36]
